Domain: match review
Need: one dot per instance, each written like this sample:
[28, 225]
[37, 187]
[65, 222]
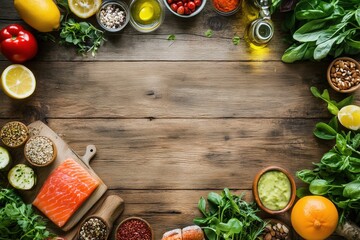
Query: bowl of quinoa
[113, 16]
[14, 134]
[40, 151]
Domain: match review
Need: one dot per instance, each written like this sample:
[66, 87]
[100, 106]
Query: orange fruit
[314, 217]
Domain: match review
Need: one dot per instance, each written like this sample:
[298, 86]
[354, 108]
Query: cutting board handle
[89, 154]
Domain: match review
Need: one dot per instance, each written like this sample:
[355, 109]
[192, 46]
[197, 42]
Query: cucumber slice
[5, 159]
[22, 177]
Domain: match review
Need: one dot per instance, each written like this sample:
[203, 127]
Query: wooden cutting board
[63, 152]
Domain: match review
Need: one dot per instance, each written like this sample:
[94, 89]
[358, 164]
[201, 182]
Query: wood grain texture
[174, 120]
[171, 90]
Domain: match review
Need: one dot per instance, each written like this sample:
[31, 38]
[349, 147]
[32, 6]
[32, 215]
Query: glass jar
[146, 15]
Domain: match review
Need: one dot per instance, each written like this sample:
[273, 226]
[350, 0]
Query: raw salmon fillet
[67, 187]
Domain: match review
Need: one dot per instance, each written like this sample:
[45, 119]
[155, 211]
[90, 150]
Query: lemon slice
[349, 117]
[147, 12]
[84, 8]
[17, 81]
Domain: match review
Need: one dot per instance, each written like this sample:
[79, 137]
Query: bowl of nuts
[113, 16]
[343, 75]
[185, 8]
[40, 151]
[276, 229]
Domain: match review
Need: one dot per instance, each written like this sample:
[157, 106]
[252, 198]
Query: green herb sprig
[83, 35]
[337, 175]
[227, 216]
[18, 220]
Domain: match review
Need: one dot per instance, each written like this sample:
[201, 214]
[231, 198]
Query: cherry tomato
[180, 3]
[180, 10]
[169, 1]
[185, 5]
[191, 5]
[197, 3]
[187, 11]
[174, 7]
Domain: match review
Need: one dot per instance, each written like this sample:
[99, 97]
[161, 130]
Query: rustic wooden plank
[190, 153]
[171, 90]
[190, 44]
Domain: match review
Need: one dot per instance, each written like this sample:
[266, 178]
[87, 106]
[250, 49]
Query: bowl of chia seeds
[113, 16]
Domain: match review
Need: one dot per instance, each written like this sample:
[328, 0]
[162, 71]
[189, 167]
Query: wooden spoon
[108, 212]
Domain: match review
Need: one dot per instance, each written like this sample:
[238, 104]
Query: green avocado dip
[274, 190]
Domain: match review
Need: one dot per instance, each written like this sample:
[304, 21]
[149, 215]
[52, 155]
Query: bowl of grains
[93, 228]
[134, 228]
[14, 134]
[113, 16]
[40, 151]
[343, 75]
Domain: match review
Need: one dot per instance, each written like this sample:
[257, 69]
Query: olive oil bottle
[260, 29]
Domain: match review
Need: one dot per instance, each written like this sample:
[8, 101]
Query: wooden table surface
[174, 120]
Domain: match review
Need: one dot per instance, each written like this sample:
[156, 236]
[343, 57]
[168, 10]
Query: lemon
[349, 117]
[147, 12]
[84, 8]
[43, 15]
[17, 81]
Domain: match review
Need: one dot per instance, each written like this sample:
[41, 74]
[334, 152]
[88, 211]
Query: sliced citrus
[84, 8]
[349, 117]
[17, 81]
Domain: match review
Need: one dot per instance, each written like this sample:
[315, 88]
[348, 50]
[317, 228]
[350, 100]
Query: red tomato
[174, 7]
[17, 44]
[187, 11]
[197, 3]
[185, 5]
[191, 5]
[180, 10]
[169, 1]
[179, 3]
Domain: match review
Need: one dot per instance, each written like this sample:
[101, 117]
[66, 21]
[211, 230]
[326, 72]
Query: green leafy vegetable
[83, 35]
[171, 37]
[209, 33]
[320, 28]
[236, 40]
[337, 175]
[227, 216]
[17, 220]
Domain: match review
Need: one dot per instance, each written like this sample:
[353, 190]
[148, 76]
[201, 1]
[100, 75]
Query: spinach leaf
[306, 175]
[324, 131]
[352, 190]
[319, 187]
[295, 53]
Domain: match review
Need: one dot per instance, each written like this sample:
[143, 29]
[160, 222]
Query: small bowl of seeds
[113, 16]
[343, 75]
[14, 134]
[93, 228]
[40, 151]
[134, 228]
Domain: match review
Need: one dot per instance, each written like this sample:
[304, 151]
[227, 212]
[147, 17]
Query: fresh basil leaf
[200, 221]
[202, 206]
[319, 187]
[352, 190]
[354, 165]
[324, 131]
[355, 143]
[332, 160]
[306, 175]
[210, 234]
[215, 198]
[340, 143]
[294, 53]
[346, 101]
[334, 123]
[322, 50]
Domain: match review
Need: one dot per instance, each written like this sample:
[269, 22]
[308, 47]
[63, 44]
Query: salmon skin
[67, 187]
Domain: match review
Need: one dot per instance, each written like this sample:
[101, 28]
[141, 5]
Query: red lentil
[134, 229]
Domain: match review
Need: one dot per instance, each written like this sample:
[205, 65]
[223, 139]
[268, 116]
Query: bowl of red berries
[185, 8]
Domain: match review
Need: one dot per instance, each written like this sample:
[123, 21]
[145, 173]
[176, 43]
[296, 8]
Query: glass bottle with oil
[260, 29]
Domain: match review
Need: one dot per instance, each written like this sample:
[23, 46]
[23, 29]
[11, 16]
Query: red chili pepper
[17, 44]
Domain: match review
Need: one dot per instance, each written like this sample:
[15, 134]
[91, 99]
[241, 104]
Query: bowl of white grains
[113, 16]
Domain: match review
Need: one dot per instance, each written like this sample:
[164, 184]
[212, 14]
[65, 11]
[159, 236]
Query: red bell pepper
[17, 44]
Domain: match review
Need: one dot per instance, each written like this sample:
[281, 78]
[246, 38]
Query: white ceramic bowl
[197, 11]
